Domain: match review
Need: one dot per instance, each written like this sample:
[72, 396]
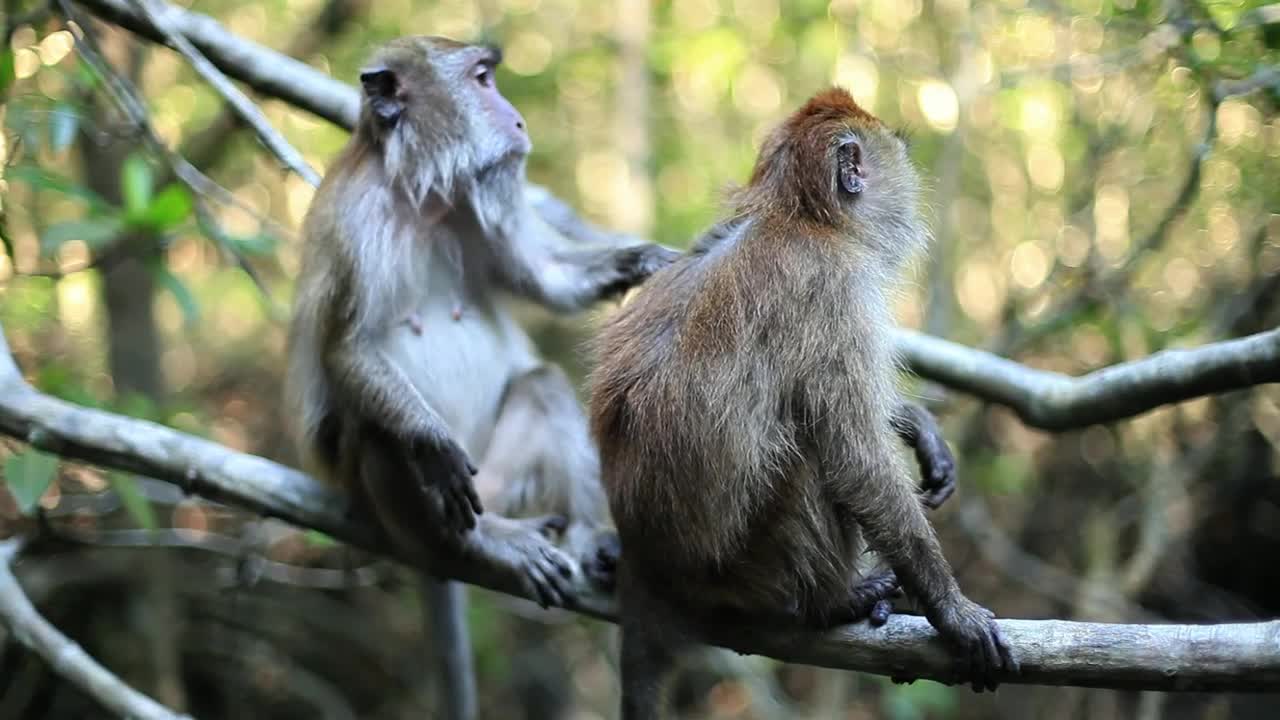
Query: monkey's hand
[982, 654]
[446, 472]
[937, 470]
[630, 266]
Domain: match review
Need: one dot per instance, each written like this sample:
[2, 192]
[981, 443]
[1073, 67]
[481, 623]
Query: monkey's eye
[483, 75]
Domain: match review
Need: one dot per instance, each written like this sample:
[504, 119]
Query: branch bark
[1053, 401]
[1235, 657]
[66, 657]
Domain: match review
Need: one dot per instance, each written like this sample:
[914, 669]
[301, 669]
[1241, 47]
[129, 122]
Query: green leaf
[43, 180]
[95, 232]
[137, 505]
[319, 539]
[87, 77]
[7, 75]
[181, 293]
[64, 121]
[136, 183]
[166, 211]
[29, 474]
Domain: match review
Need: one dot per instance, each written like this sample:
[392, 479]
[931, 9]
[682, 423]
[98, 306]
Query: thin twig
[129, 102]
[158, 15]
[64, 656]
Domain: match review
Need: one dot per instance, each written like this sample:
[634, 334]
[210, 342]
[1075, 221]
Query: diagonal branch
[1237, 657]
[62, 653]
[157, 13]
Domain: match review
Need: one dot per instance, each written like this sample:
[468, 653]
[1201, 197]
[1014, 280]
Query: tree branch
[1237, 657]
[157, 13]
[265, 70]
[1052, 401]
[66, 657]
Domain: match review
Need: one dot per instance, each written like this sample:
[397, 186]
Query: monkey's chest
[459, 357]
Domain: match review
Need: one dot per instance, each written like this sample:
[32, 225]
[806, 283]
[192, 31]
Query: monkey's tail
[447, 612]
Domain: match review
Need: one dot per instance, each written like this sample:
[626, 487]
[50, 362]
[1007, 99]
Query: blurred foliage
[1098, 193]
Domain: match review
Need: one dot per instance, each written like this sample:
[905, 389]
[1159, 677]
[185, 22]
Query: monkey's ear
[849, 172]
[383, 90]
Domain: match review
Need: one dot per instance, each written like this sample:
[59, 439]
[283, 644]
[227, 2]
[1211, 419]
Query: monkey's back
[712, 477]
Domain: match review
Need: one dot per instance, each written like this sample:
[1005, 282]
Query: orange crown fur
[794, 172]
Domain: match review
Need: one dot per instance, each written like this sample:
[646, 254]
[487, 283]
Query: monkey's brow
[491, 54]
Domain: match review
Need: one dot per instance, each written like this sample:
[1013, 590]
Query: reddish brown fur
[743, 405]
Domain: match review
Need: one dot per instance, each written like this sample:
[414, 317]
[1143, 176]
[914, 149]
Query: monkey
[744, 406]
[409, 382]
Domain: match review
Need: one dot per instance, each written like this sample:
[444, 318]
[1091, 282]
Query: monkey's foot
[601, 567]
[871, 598]
[522, 546]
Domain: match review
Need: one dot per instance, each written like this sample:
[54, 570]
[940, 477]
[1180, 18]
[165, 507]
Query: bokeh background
[1103, 185]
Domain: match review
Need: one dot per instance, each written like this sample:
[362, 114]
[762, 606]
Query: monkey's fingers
[550, 578]
[933, 499]
[880, 613]
[1005, 653]
[462, 501]
[938, 466]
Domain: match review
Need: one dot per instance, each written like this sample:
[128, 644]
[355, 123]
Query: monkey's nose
[519, 124]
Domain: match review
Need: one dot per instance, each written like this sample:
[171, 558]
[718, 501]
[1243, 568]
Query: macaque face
[444, 95]
[502, 118]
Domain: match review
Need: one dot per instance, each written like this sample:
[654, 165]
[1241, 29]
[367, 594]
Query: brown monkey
[407, 375]
[744, 404]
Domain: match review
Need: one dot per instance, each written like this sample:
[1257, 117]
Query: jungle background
[1103, 186]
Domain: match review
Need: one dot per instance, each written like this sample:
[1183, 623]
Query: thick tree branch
[1241, 657]
[1052, 401]
[66, 657]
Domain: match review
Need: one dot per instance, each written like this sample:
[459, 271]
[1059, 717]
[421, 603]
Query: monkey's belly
[460, 363]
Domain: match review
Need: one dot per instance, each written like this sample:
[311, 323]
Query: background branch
[1053, 401]
[65, 656]
[1237, 657]
[158, 15]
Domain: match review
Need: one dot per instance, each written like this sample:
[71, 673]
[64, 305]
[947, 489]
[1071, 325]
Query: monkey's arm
[384, 395]
[919, 430]
[542, 264]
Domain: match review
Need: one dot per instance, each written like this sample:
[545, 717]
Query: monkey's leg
[541, 460]
[499, 547]
[893, 522]
[919, 430]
